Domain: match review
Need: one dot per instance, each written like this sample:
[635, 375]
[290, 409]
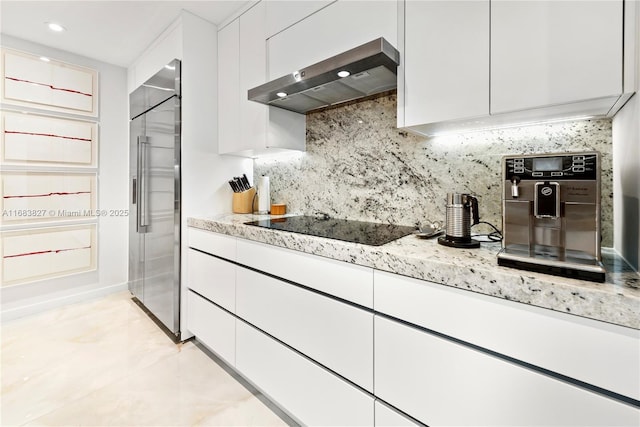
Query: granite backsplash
[358, 165]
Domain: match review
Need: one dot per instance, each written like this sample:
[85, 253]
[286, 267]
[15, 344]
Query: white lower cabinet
[212, 326]
[305, 330]
[310, 393]
[213, 243]
[344, 280]
[213, 278]
[335, 334]
[388, 417]
[440, 382]
[569, 345]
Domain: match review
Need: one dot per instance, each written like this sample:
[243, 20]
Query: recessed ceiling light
[55, 27]
[44, 58]
[170, 67]
[281, 94]
[343, 73]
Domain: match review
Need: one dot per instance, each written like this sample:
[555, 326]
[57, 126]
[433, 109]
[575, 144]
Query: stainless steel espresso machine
[551, 214]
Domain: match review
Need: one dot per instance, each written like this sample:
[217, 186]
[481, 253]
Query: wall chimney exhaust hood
[365, 70]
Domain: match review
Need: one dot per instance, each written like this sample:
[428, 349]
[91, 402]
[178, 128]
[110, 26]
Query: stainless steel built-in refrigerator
[154, 196]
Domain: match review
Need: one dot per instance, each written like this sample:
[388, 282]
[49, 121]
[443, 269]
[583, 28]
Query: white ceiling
[116, 32]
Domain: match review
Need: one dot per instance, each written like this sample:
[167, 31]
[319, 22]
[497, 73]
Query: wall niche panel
[42, 196]
[31, 139]
[49, 168]
[42, 253]
[34, 81]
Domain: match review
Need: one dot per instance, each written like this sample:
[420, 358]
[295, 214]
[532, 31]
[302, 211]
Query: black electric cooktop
[366, 233]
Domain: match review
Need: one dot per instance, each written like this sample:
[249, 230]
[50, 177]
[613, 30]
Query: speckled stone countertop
[616, 301]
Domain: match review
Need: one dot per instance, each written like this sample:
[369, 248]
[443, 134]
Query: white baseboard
[26, 310]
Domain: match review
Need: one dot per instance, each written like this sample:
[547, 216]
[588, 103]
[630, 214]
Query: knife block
[243, 201]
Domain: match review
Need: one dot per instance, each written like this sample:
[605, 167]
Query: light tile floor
[105, 363]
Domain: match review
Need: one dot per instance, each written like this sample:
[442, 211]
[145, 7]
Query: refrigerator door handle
[135, 191]
[141, 193]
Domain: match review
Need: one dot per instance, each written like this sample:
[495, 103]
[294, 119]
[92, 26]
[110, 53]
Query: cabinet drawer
[341, 279]
[212, 326]
[440, 382]
[388, 417]
[310, 393]
[570, 345]
[213, 243]
[212, 278]
[335, 334]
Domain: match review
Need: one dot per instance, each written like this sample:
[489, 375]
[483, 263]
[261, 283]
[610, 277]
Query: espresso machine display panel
[551, 214]
[582, 166]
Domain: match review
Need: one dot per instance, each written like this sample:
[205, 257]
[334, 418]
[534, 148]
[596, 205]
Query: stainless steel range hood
[371, 69]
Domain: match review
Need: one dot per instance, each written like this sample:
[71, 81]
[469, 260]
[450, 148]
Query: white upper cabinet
[163, 50]
[554, 52]
[283, 14]
[338, 27]
[445, 63]
[478, 64]
[229, 87]
[253, 71]
[247, 128]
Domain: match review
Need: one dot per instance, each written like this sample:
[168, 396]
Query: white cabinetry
[334, 334]
[444, 73]
[248, 128]
[213, 243]
[441, 382]
[573, 346]
[325, 338]
[309, 392]
[284, 13]
[253, 71]
[211, 298]
[166, 48]
[229, 87]
[213, 326]
[213, 278]
[554, 52]
[546, 60]
[318, 347]
[388, 417]
[338, 27]
[341, 279]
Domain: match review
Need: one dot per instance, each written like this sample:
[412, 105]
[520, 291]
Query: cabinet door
[229, 87]
[440, 382]
[253, 72]
[446, 61]
[338, 27]
[282, 14]
[310, 393]
[545, 53]
[212, 326]
[333, 333]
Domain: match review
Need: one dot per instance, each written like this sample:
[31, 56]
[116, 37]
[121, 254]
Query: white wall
[111, 275]
[626, 168]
